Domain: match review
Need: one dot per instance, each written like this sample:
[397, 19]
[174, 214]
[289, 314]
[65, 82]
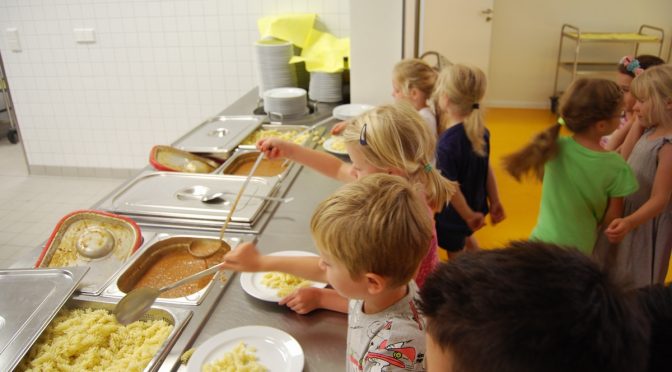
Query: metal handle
[191, 278]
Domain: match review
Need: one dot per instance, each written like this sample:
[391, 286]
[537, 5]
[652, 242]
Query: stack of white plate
[273, 69]
[326, 87]
[286, 101]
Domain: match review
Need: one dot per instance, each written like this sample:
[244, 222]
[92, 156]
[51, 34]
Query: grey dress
[643, 256]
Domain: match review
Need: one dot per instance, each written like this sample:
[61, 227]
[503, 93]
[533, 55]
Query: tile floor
[31, 205]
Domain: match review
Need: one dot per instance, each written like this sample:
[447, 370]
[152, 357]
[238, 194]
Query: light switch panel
[85, 35]
[12, 39]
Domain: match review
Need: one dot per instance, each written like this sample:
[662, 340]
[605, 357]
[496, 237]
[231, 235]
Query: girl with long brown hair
[583, 184]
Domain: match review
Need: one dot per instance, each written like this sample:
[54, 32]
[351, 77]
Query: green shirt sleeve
[625, 182]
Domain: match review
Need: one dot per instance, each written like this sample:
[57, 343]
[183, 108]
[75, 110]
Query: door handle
[488, 13]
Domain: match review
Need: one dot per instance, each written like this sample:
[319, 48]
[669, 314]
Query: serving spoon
[206, 248]
[136, 302]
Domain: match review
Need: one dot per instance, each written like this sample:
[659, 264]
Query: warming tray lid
[29, 300]
[177, 195]
[220, 134]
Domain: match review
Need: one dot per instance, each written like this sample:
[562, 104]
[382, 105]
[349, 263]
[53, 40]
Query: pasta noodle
[288, 135]
[87, 339]
[240, 359]
[284, 283]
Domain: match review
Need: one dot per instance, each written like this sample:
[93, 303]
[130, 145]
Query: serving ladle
[205, 248]
[138, 301]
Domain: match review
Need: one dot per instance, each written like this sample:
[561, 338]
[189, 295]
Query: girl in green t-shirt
[583, 184]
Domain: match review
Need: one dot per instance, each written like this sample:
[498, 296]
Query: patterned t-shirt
[390, 340]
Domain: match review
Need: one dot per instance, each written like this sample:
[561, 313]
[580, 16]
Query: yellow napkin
[321, 51]
[324, 52]
[291, 27]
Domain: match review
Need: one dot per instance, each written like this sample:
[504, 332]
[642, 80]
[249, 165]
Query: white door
[460, 30]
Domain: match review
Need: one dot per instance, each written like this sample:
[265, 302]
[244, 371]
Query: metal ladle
[206, 248]
[138, 301]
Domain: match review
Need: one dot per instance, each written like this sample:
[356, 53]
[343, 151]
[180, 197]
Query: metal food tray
[178, 318]
[280, 128]
[250, 156]
[219, 136]
[125, 234]
[155, 249]
[29, 300]
[178, 196]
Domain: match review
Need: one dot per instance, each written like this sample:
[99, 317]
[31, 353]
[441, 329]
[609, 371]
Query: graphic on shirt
[383, 354]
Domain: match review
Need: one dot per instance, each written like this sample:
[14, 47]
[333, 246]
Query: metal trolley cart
[6, 106]
[572, 64]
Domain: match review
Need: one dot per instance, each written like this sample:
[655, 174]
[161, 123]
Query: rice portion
[240, 359]
[93, 340]
[287, 135]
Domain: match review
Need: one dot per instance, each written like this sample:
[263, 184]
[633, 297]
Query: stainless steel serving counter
[322, 334]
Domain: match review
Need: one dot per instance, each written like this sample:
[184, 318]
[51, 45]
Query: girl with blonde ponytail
[463, 153]
[389, 139]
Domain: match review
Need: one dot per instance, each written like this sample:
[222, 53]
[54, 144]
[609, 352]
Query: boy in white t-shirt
[371, 235]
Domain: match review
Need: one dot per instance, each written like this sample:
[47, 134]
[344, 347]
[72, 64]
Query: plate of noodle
[249, 348]
[335, 145]
[273, 286]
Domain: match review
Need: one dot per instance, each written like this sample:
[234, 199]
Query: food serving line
[222, 304]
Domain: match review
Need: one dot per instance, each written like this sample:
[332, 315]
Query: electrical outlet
[12, 39]
[85, 35]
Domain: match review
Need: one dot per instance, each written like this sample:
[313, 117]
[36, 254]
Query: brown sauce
[175, 265]
[266, 168]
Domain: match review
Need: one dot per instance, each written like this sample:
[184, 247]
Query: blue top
[457, 161]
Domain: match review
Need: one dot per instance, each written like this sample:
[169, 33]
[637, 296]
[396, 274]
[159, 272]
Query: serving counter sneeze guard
[164, 196]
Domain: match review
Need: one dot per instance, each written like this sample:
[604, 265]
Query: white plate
[284, 93]
[251, 282]
[345, 112]
[329, 146]
[276, 349]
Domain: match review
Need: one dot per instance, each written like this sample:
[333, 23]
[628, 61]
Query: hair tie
[427, 168]
[561, 121]
[475, 106]
[632, 65]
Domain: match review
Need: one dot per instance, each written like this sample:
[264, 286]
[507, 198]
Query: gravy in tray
[176, 265]
[267, 168]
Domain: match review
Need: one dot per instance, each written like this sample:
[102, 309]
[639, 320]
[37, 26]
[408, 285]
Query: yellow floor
[510, 129]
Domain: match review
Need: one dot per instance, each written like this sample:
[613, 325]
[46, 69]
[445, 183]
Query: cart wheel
[13, 136]
[554, 104]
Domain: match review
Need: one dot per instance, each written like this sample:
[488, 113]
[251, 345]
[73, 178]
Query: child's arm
[305, 300]
[497, 213]
[326, 164]
[475, 220]
[618, 137]
[660, 196]
[614, 211]
[635, 132]
[247, 258]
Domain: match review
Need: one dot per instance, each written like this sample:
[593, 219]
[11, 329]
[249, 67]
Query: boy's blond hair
[397, 137]
[378, 224]
[414, 73]
[465, 87]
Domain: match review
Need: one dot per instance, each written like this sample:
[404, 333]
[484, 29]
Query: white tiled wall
[156, 69]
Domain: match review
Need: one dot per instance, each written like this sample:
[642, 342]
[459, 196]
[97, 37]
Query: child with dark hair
[531, 307]
[583, 184]
[656, 301]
